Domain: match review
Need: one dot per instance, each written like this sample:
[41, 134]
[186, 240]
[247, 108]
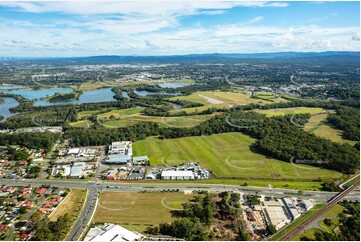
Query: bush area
[349, 226]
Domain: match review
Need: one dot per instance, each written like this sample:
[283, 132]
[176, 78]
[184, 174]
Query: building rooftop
[177, 173]
[112, 232]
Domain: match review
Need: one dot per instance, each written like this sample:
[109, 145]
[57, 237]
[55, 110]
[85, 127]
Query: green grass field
[328, 132]
[217, 99]
[285, 111]
[131, 116]
[138, 210]
[266, 95]
[226, 155]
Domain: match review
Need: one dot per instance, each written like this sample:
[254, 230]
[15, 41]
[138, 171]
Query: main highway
[95, 187]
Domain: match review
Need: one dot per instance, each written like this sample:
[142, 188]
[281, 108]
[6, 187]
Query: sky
[150, 27]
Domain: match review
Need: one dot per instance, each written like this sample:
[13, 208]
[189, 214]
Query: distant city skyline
[82, 28]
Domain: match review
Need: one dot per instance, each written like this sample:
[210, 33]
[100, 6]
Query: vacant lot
[227, 155]
[138, 210]
[72, 204]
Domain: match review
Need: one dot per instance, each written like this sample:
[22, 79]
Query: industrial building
[177, 175]
[291, 207]
[139, 160]
[121, 147]
[117, 159]
[112, 232]
[276, 213]
[77, 170]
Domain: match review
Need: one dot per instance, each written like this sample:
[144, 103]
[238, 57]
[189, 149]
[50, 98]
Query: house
[41, 190]
[111, 175]
[177, 175]
[25, 236]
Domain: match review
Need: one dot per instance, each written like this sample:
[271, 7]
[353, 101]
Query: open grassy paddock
[138, 210]
[285, 111]
[72, 204]
[217, 99]
[226, 155]
[130, 116]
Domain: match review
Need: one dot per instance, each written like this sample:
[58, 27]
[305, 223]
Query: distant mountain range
[334, 56]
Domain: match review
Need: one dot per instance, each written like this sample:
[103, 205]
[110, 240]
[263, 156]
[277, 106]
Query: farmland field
[226, 155]
[138, 210]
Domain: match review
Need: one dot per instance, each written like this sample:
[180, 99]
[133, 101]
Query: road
[95, 187]
[316, 215]
[81, 223]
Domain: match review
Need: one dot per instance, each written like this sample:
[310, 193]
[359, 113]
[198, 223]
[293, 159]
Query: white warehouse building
[177, 175]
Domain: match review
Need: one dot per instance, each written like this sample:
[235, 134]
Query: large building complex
[112, 232]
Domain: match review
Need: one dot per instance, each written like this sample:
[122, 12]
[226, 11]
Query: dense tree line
[348, 120]
[100, 135]
[31, 140]
[63, 97]
[46, 230]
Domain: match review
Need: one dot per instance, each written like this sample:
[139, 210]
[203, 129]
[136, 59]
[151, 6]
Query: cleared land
[226, 155]
[217, 99]
[72, 205]
[138, 210]
[326, 131]
[130, 116]
[285, 111]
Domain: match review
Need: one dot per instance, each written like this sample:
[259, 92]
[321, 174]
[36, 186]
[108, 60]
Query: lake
[146, 93]
[174, 84]
[8, 103]
[37, 94]
[9, 87]
[93, 96]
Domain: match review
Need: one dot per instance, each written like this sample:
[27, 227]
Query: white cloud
[356, 35]
[289, 34]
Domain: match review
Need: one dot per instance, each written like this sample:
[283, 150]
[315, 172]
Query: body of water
[93, 96]
[174, 84]
[9, 87]
[146, 93]
[5, 106]
[37, 94]
[125, 94]
[176, 106]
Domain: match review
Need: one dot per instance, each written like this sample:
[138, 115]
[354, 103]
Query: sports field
[226, 155]
[138, 210]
